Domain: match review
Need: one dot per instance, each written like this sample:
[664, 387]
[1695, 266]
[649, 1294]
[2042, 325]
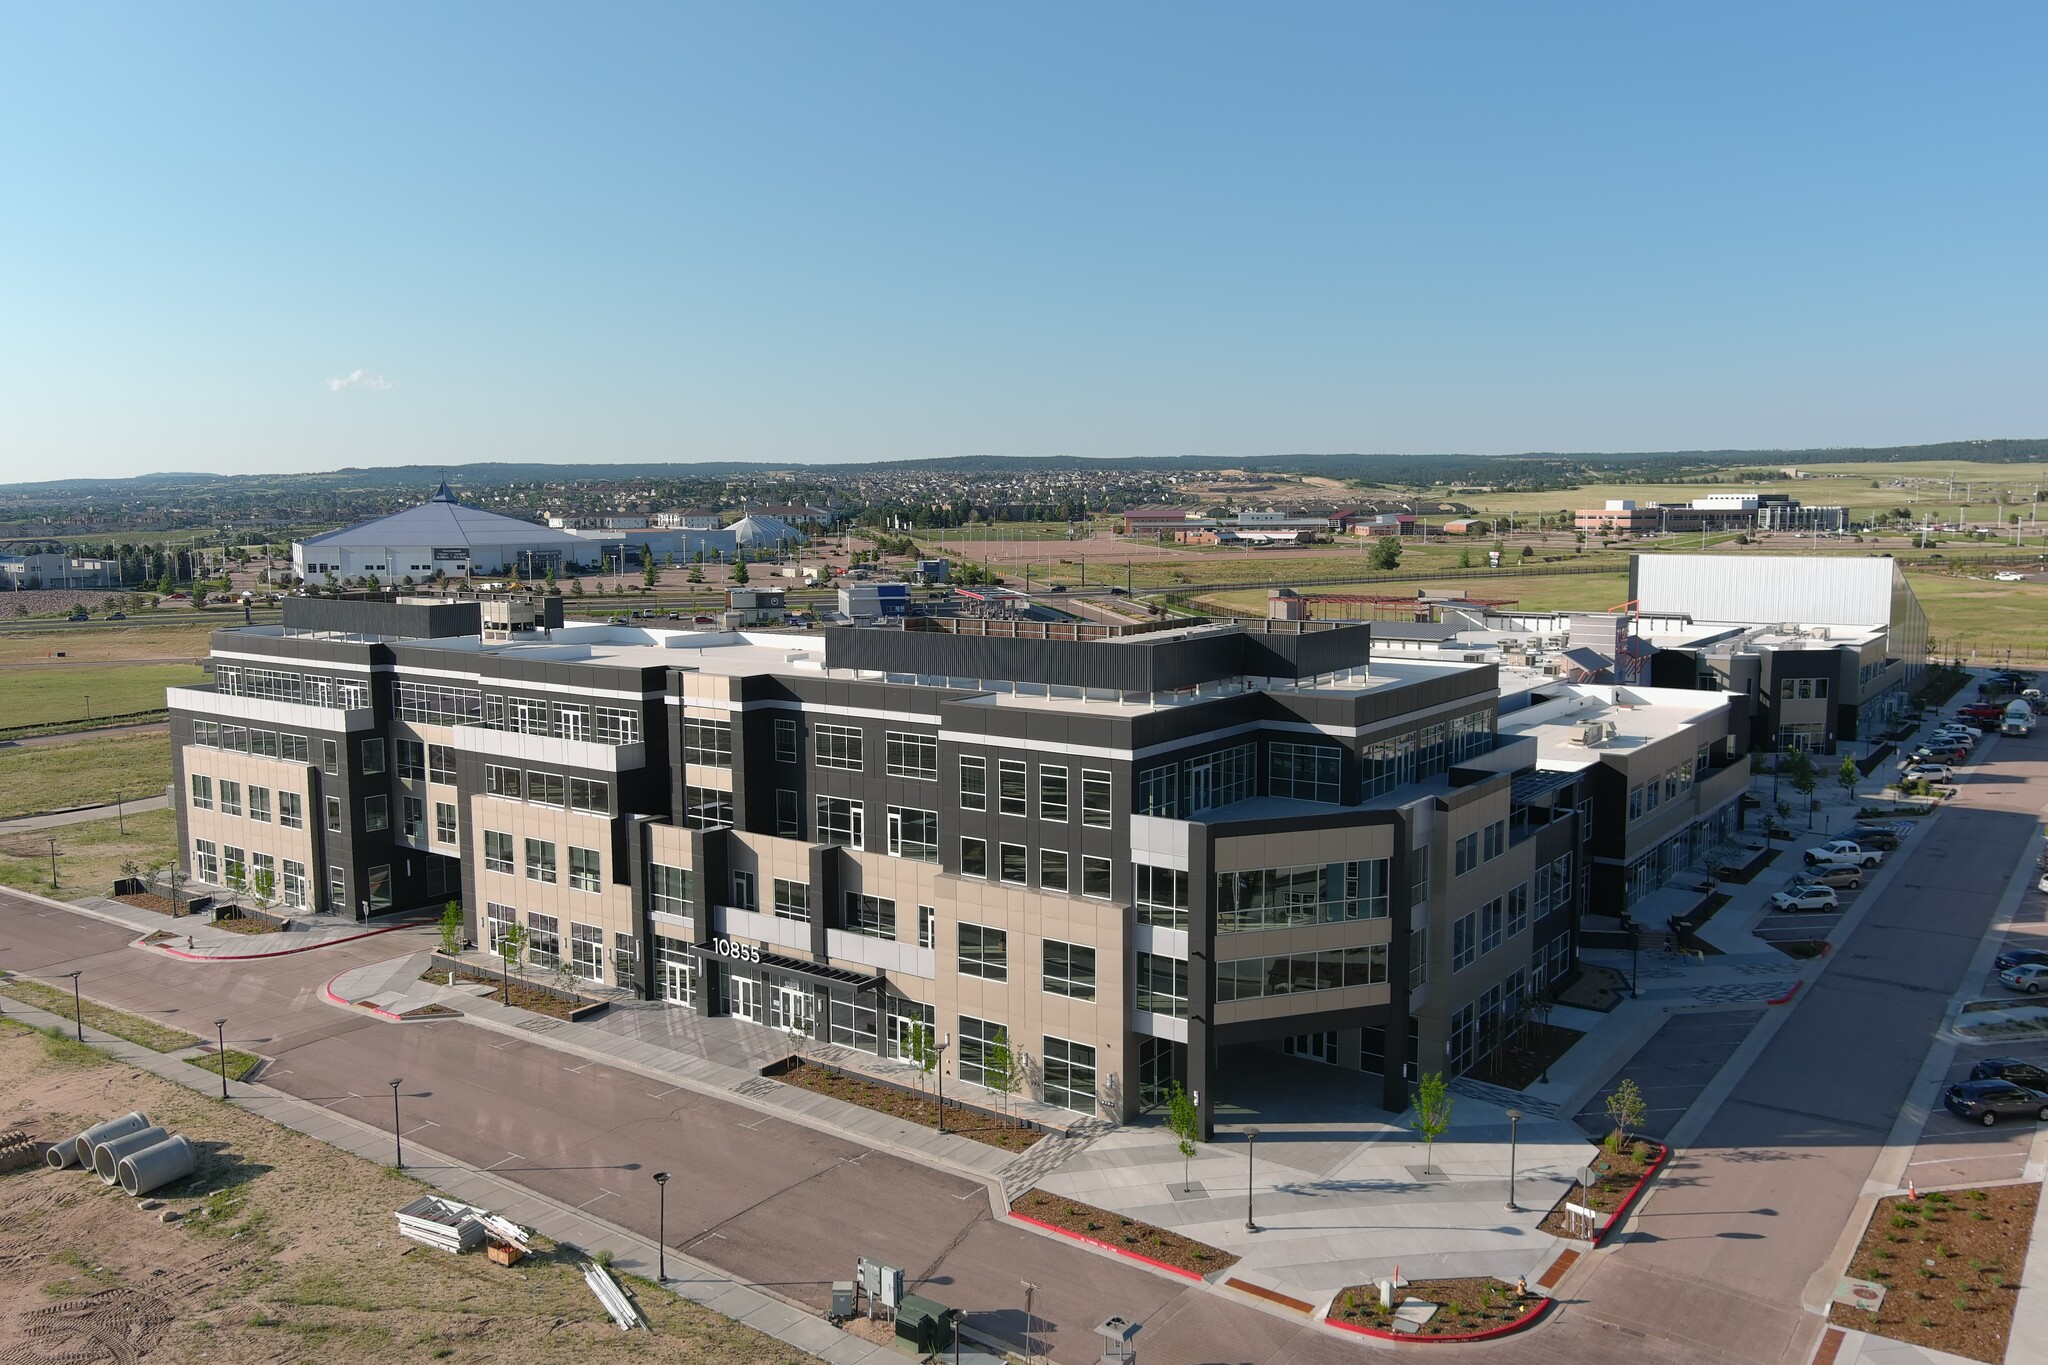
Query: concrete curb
[1628, 1200]
[91, 912]
[1521, 1324]
[1125, 1253]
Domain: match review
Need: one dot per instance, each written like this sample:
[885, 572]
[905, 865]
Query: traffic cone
[1912, 1192]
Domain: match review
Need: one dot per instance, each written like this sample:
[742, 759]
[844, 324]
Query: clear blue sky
[246, 237]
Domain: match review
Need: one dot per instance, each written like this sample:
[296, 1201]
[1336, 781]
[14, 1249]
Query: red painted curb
[1527, 1319]
[283, 952]
[327, 989]
[1120, 1251]
[1787, 996]
[1621, 1209]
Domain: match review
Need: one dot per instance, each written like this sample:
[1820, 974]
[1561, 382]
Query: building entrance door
[743, 997]
[789, 1007]
[679, 982]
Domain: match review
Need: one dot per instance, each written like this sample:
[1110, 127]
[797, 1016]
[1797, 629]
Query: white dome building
[442, 533]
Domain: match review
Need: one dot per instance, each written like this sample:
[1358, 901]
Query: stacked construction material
[18, 1149]
[611, 1296]
[442, 1223]
[128, 1151]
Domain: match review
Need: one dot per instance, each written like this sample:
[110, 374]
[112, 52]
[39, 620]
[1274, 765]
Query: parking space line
[1988, 1156]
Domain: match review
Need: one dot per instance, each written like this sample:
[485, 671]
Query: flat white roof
[1639, 715]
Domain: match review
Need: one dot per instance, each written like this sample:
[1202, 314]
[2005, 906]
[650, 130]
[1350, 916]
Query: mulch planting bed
[1526, 1059]
[1614, 1175]
[1480, 1304]
[248, 926]
[163, 905]
[1115, 1230]
[523, 996]
[902, 1104]
[1747, 871]
[1961, 1303]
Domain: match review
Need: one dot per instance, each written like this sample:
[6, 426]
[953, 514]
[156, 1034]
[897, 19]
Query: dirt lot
[284, 1251]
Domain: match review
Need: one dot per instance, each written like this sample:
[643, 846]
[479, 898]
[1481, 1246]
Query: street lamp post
[77, 1007]
[220, 1038]
[397, 1138]
[1030, 1321]
[1514, 1124]
[1251, 1145]
[661, 1227]
[53, 862]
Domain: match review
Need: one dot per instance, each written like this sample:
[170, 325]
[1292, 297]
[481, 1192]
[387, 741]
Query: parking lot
[1810, 926]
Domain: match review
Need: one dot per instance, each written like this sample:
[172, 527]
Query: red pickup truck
[1982, 709]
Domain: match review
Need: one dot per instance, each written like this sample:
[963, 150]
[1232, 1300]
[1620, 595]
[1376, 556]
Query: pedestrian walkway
[724, 1057]
[689, 1279]
[193, 938]
[55, 819]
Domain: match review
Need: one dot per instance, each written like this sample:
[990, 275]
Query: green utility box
[923, 1325]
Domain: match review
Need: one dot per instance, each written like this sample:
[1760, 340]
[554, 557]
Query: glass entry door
[743, 997]
[679, 982]
[789, 1007]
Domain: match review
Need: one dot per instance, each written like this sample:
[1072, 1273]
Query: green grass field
[38, 696]
[1971, 612]
[90, 856]
[83, 772]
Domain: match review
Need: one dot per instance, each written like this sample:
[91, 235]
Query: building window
[540, 860]
[544, 941]
[1015, 864]
[1464, 941]
[841, 821]
[380, 888]
[234, 739]
[505, 782]
[1492, 920]
[1052, 793]
[1095, 877]
[376, 813]
[1069, 970]
[617, 726]
[337, 890]
[707, 743]
[1052, 869]
[293, 888]
[497, 852]
[412, 817]
[444, 822]
[202, 792]
[1467, 855]
[412, 761]
[927, 927]
[984, 952]
[870, 916]
[585, 871]
[1280, 897]
[743, 892]
[1162, 985]
[785, 741]
[792, 900]
[788, 818]
[973, 782]
[259, 804]
[1069, 1075]
[1302, 772]
[839, 746]
[206, 861]
[230, 797]
[1518, 909]
[625, 953]
[373, 757]
[233, 869]
[333, 806]
[1161, 896]
[586, 951]
[706, 808]
[1331, 969]
[1094, 798]
[294, 749]
[914, 834]
[669, 890]
[977, 1038]
[914, 756]
[572, 722]
[206, 733]
[1010, 780]
[973, 857]
[547, 789]
[291, 810]
[330, 757]
[263, 743]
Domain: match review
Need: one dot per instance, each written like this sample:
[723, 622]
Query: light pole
[661, 1227]
[397, 1138]
[1251, 1145]
[1030, 1321]
[939, 1070]
[220, 1039]
[77, 1007]
[120, 815]
[1514, 1123]
[53, 862]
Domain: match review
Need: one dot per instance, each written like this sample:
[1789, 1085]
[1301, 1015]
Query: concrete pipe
[106, 1158]
[62, 1154]
[82, 1145]
[146, 1170]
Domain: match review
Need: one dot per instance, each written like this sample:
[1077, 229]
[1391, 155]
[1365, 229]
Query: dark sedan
[1872, 836]
[2020, 957]
[2010, 1069]
[1987, 1102]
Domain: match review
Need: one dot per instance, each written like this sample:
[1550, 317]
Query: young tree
[1186, 1122]
[648, 573]
[921, 1050]
[576, 587]
[999, 1067]
[1848, 775]
[511, 951]
[1805, 779]
[451, 928]
[551, 579]
[1627, 1110]
[739, 572]
[1433, 1101]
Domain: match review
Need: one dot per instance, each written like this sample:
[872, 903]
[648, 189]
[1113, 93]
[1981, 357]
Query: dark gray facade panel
[356, 616]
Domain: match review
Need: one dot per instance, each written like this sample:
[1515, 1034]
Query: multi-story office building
[1154, 854]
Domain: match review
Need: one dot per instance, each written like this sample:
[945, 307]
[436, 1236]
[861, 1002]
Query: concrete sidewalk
[723, 1057]
[194, 939]
[690, 1279]
[111, 810]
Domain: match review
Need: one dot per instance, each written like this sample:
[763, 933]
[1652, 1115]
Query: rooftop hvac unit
[1820, 632]
[1595, 732]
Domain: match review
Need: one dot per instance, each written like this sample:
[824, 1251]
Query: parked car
[2016, 957]
[1934, 753]
[1873, 836]
[1963, 735]
[1986, 1102]
[1929, 772]
[1988, 710]
[1803, 898]
[1844, 876]
[2010, 1069]
[1844, 851]
[117, 616]
[2008, 576]
[2028, 977]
